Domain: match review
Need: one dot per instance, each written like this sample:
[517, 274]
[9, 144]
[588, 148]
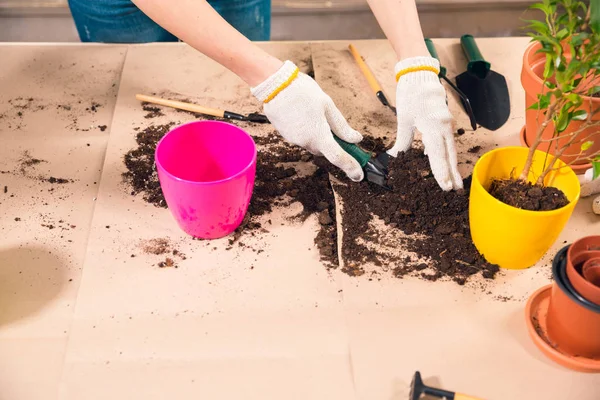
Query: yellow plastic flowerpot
[508, 236]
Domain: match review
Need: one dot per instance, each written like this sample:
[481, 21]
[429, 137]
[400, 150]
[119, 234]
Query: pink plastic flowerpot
[206, 171]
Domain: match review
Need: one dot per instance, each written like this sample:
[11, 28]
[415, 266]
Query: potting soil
[416, 205]
[435, 224]
[527, 196]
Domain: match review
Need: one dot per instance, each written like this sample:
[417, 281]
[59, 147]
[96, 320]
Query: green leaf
[563, 19]
[594, 90]
[542, 7]
[563, 121]
[596, 168]
[595, 16]
[534, 106]
[549, 68]
[578, 39]
[559, 63]
[544, 100]
[586, 145]
[538, 26]
[549, 85]
[580, 115]
[575, 99]
[562, 34]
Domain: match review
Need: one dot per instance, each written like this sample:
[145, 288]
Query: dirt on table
[434, 225]
[153, 111]
[527, 196]
[162, 247]
[141, 175]
[277, 184]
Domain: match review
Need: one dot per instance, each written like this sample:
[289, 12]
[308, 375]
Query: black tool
[463, 98]
[418, 389]
[181, 105]
[486, 89]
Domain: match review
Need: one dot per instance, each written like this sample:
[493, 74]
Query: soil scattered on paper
[278, 184]
[27, 161]
[141, 173]
[435, 225]
[527, 196]
[162, 247]
[153, 111]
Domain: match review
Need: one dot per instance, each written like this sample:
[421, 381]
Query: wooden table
[82, 319]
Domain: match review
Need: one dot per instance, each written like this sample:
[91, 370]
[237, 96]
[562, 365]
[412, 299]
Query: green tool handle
[434, 54]
[356, 152]
[477, 64]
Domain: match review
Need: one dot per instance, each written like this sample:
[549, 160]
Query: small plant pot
[508, 236]
[591, 271]
[580, 254]
[531, 79]
[562, 324]
[206, 171]
[573, 322]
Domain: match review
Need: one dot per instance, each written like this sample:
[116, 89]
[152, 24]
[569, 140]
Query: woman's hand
[305, 116]
[421, 104]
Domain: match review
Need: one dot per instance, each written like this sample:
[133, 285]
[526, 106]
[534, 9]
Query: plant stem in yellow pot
[509, 236]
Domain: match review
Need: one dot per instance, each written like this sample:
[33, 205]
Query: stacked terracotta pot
[571, 327]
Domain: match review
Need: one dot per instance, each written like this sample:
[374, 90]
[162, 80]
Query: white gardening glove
[590, 187]
[421, 104]
[305, 116]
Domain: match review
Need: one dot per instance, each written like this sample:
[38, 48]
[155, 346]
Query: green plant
[596, 167]
[570, 38]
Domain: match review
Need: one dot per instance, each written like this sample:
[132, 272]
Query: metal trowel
[486, 89]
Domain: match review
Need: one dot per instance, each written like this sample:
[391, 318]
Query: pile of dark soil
[436, 221]
[527, 196]
[141, 174]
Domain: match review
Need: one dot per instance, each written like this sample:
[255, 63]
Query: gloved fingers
[334, 153]
[437, 152]
[339, 125]
[457, 182]
[404, 135]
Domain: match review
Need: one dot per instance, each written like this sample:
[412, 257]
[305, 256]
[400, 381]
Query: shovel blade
[488, 96]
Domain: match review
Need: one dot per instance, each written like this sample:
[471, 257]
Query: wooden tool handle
[180, 105]
[365, 70]
[460, 396]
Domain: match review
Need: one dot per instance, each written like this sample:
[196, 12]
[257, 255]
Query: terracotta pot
[573, 323]
[591, 271]
[579, 253]
[508, 236]
[531, 79]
